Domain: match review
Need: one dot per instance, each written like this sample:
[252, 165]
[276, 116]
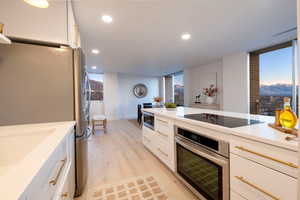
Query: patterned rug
[138, 188]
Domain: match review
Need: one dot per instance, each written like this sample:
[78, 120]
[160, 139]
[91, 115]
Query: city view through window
[178, 87]
[96, 83]
[276, 80]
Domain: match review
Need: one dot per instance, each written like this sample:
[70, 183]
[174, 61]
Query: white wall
[119, 100]
[111, 97]
[236, 83]
[197, 78]
[128, 103]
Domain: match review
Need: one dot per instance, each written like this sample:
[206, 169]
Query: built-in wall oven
[148, 120]
[202, 163]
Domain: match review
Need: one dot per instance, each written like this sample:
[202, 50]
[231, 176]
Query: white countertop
[259, 132]
[23, 151]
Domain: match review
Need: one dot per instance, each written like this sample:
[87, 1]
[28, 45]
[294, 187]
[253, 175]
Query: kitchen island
[254, 163]
[37, 161]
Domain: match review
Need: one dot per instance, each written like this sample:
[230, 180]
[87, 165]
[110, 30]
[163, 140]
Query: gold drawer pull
[54, 181]
[242, 179]
[162, 121]
[162, 152]
[64, 195]
[267, 157]
[165, 135]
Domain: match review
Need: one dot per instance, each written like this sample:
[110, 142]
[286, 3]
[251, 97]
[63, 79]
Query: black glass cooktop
[230, 122]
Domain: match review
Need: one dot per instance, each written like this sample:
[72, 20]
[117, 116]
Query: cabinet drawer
[44, 185]
[148, 133]
[163, 126]
[236, 196]
[282, 160]
[163, 151]
[147, 142]
[254, 181]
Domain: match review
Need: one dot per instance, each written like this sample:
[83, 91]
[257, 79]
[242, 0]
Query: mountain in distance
[276, 90]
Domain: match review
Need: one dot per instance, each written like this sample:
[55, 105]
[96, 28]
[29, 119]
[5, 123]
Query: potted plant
[157, 100]
[210, 94]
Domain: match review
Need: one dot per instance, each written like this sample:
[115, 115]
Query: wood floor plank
[119, 154]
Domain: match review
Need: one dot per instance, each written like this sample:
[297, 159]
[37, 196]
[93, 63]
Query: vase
[210, 100]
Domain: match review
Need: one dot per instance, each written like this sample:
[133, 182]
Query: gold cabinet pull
[267, 157]
[54, 181]
[242, 179]
[162, 152]
[165, 135]
[64, 195]
[162, 121]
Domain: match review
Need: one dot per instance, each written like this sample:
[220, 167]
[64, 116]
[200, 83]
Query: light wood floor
[119, 154]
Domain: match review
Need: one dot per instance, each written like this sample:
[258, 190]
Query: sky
[276, 67]
[178, 79]
[96, 77]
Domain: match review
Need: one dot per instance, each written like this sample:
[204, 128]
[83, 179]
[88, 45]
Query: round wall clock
[140, 90]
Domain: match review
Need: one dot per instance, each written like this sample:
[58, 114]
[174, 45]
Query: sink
[14, 147]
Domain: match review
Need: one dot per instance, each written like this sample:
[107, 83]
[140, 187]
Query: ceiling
[145, 35]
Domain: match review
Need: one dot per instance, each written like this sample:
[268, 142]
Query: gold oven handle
[54, 181]
[267, 157]
[242, 179]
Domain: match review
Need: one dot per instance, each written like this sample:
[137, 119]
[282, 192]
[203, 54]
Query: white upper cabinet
[73, 31]
[44, 24]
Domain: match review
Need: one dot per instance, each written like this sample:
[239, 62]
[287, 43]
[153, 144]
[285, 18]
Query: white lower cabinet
[255, 181]
[236, 196]
[161, 141]
[56, 179]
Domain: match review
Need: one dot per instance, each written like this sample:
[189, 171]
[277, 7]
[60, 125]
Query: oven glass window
[204, 175]
[149, 120]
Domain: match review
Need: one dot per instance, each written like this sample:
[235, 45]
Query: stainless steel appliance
[148, 120]
[46, 82]
[202, 163]
[230, 122]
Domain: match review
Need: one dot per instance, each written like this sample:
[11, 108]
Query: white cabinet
[53, 24]
[56, 179]
[161, 141]
[236, 196]
[66, 189]
[261, 171]
[276, 158]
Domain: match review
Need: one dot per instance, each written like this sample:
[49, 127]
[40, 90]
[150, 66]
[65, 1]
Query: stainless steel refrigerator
[45, 82]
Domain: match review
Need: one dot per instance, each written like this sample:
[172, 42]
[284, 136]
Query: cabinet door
[71, 175]
[235, 196]
[25, 21]
[255, 181]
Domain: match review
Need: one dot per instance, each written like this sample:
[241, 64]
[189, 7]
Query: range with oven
[222, 156]
[202, 163]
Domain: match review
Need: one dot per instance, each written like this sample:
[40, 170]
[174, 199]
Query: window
[96, 83]
[174, 88]
[273, 77]
[178, 87]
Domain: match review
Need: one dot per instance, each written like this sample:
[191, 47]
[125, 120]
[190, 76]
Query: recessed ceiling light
[107, 19]
[94, 67]
[95, 51]
[186, 36]
[38, 3]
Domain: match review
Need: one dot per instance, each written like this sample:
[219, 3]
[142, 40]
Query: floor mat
[138, 188]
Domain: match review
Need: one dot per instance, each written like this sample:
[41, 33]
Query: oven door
[204, 172]
[148, 119]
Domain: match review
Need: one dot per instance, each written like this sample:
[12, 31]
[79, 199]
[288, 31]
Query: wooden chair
[99, 120]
